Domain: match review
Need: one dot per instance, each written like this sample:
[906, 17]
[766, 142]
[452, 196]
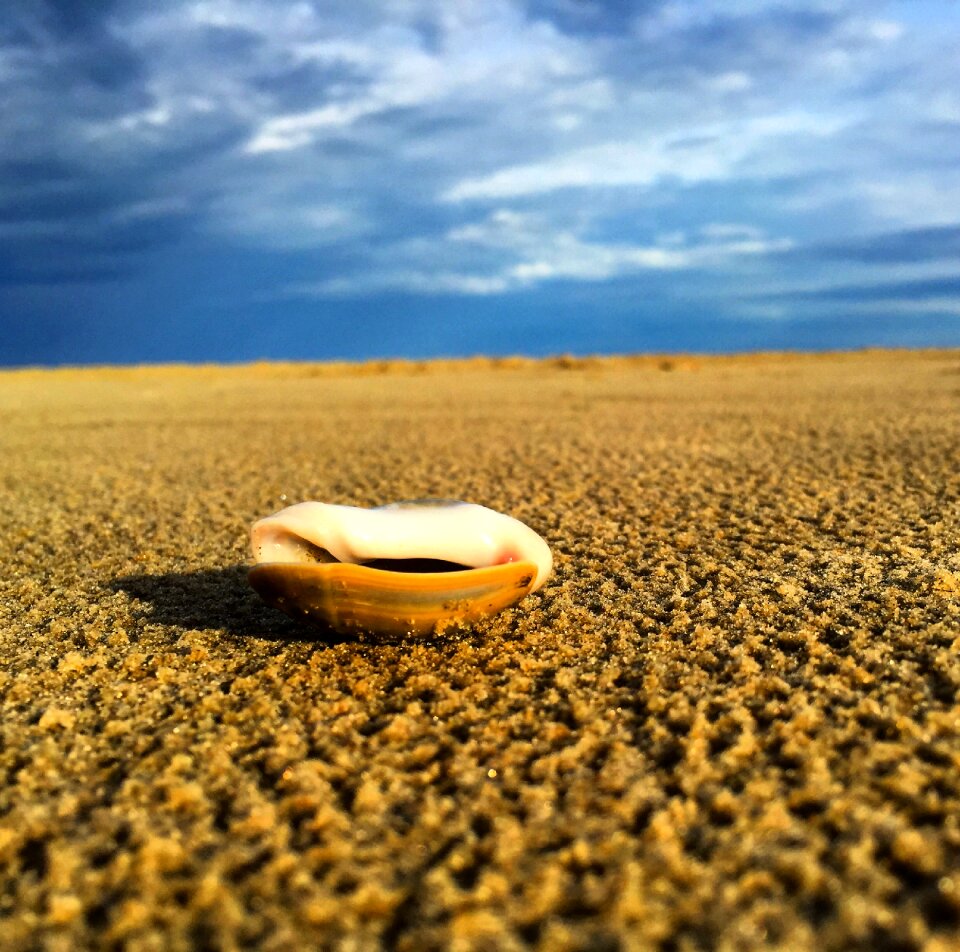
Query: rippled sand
[730, 720]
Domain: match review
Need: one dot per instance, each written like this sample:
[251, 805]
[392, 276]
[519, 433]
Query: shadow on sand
[219, 599]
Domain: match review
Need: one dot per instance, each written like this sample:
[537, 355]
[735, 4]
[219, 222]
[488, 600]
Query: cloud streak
[707, 154]
[531, 252]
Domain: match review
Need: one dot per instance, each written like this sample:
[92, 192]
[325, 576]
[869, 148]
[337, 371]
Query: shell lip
[455, 535]
[350, 598]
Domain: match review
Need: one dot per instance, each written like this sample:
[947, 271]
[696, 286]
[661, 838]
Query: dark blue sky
[234, 179]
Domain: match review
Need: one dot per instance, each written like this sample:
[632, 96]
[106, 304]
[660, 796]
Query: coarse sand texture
[729, 721]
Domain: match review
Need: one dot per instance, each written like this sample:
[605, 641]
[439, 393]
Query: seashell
[408, 568]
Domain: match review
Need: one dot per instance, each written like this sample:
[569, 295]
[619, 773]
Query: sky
[230, 180]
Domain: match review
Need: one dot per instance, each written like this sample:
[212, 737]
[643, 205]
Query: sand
[729, 721]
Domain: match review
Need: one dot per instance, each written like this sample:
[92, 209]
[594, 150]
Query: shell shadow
[217, 599]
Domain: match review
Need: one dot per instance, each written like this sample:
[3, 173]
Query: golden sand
[729, 721]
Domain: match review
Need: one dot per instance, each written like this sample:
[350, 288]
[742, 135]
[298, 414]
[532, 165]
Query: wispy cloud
[695, 155]
[520, 251]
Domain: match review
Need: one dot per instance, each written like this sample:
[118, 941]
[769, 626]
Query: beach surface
[729, 721]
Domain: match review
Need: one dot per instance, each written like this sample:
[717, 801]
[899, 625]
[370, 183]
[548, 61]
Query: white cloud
[474, 148]
[419, 282]
[146, 121]
[913, 199]
[733, 81]
[533, 251]
[708, 153]
[286, 220]
[407, 77]
[490, 52]
[291, 132]
[610, 164]
[722, 231]
[913, 308]
[885, 31]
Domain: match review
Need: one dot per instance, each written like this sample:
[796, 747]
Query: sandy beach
[729, 721]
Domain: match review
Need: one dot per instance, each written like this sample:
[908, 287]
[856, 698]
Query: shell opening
[290, 547]
[416, 565]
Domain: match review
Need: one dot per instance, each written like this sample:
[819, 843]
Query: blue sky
[234, 179]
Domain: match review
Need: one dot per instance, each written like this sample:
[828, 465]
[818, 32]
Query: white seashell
[404, 568]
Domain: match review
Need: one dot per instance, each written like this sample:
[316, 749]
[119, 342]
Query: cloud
[280, 221]
[521, 251]
[415, 282]
[926, 289]
[911, 302]
[481, 148]
[703, 154]
[490, 50]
